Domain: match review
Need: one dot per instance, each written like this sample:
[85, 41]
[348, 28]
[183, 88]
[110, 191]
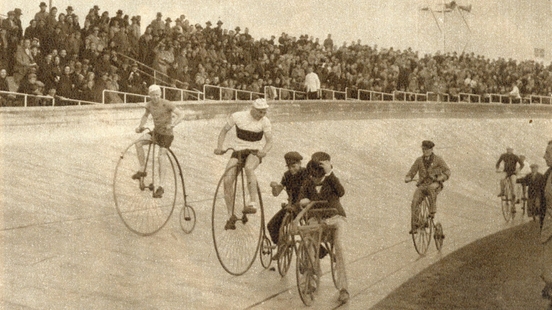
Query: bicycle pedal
[187, 218]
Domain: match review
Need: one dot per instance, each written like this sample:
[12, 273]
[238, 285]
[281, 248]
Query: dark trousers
[274, 224]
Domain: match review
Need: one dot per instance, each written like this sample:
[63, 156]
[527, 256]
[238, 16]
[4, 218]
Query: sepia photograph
[240, 154]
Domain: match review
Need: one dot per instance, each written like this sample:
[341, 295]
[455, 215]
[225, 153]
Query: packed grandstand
[59, 56]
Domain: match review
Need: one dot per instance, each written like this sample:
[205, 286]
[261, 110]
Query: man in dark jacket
[533, 181]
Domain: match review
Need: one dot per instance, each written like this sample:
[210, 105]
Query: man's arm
[143, 121]
[221, 138]
[268, 145]
[179, 116]
[413, 170]
[445, 171]
[499, 161]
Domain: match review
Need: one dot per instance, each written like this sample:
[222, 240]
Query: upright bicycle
[237, 248]
[427, 229]
[508, 200]
[140, 211]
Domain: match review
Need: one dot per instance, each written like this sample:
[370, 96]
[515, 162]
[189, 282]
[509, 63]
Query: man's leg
[341, 270]
[251, 163]
[229, 185]
[502, 184]
[162, 171]
[415, 208]
[145, 139]
[432, 190]
[275, 223]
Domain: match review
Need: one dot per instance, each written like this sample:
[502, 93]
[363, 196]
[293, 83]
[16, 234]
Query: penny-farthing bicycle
[237, 248]
[426, 229]
[137, 205]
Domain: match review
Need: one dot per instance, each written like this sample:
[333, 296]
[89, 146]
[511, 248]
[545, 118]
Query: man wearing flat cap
[251, 127]
[291, 181]
[532, 181]
[432, 173]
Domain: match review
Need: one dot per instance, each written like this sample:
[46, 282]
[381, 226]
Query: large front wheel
[508, 203]
[140, 211]
[236, 245]
[422, 237]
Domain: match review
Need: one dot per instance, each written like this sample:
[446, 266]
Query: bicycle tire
[308, 280]
[507, 201]
[265, 252]
[422, 238]
[187, 219]
[438, 235]
[286, 245]
[139, 211]
[333, 260]
[236, 249]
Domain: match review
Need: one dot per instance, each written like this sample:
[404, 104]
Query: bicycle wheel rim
[236, 249]
[139, 211]
[286, 245]
[422, 238]
[265, 252]
[187, 219]
[306, 273]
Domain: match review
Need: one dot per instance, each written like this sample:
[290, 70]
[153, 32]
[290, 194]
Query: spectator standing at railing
[66, 84]
[312, 84]
[4, 59]
[514, 93]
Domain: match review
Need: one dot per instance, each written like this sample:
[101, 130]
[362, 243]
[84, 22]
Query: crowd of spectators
[57, 55]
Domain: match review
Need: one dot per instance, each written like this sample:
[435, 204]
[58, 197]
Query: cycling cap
[154, 88]
[320, 156]
[426, 144]
[260, 103]
[292, 158]
[315, 170]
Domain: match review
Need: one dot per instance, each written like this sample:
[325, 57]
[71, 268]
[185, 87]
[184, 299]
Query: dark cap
[69, 8]
[320, 156]
[159, 14]
[17, 12]
[120, 12]
[220, 22]
[42, 4]
[11, 13]
[208, 23]
[315, 170]
[168, 19]
[292, 158]
[426, 144]
[97, 8]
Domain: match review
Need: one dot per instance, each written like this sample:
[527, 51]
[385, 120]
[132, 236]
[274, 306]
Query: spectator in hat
[42, 14]
[291, 181]
[4, 86]
[432, 172]
[157, 24]
[17, 20]
[117, 18]
[12, 39]
[69, 10]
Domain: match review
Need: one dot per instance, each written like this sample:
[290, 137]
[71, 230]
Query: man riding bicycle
[510, 168]
[432, 173]
[251, 126]
[161, 111]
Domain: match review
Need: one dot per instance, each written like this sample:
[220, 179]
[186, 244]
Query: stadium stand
[108, 56]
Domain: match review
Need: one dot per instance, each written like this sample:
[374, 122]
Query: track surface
[64, 246]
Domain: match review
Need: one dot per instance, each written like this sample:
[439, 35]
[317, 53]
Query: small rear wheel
[187, 219]
[438, 236]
